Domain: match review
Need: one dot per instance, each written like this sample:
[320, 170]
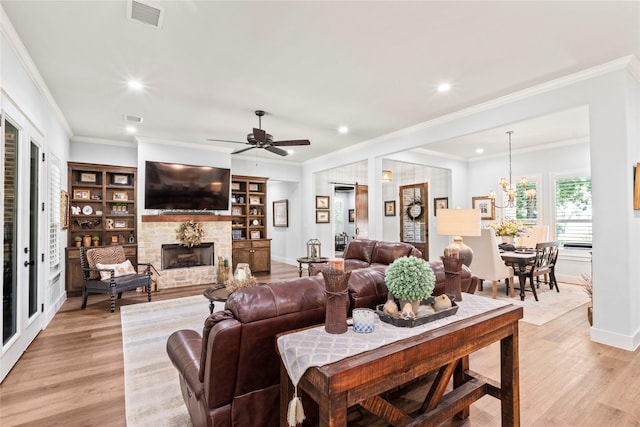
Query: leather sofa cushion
[354, 264]
[387, 252]
[360, 249]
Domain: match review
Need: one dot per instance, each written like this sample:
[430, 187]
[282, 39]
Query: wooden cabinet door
[261, 260]
[362, 212]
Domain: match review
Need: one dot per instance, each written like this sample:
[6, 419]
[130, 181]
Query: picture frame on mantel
[486, 205]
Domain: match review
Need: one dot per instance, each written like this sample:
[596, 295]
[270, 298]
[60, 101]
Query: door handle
[28, 263]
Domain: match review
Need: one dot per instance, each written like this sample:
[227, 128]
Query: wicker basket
[337, 305]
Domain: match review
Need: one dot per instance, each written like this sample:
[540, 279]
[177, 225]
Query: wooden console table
[362, 379]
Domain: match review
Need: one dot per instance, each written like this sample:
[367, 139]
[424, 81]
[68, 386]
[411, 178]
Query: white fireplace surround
[156, 230]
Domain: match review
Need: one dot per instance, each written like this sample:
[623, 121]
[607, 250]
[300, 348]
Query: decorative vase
[86, 241]
[507, 239]
[96, 243]
[337, 301]
[452, 268]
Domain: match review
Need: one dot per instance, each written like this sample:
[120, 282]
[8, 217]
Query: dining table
[519, 260]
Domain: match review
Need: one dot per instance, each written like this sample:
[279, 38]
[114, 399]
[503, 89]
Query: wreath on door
[415, 210]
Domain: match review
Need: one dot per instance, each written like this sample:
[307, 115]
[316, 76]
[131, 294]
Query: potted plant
[507, 228]
[95, 240]
[585, 279]
[78, 240]
[410, 279]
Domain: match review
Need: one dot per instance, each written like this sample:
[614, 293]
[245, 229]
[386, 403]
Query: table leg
[211, 306]
[510, 380]
[299, 269]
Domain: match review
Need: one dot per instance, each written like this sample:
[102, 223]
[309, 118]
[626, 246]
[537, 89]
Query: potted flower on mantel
[410, 279]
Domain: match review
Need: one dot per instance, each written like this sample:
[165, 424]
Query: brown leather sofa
[363, 253]
[231, 375]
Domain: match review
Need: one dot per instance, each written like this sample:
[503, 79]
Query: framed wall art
[487, 206]
[118, 223]
[440, 203]
[254, 200]
[90, 177]
[322, 217]
[390, 208]
[120, 195]
[120, 179]
[352, 215]
[255, 234]
[281, 213]
[322, 202]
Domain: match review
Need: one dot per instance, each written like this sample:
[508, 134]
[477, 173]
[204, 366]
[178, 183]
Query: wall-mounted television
[173, 186]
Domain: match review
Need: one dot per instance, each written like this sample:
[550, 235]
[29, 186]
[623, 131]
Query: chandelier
[509, 188]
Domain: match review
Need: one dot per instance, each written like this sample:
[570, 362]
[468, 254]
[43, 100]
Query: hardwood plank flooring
[72, 374]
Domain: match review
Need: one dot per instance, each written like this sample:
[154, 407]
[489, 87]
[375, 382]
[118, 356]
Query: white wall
[284, 239]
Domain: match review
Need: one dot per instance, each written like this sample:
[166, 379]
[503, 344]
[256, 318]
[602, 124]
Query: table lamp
[458, 223]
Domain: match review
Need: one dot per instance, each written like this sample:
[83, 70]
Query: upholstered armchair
[534, 235]
[105, 270]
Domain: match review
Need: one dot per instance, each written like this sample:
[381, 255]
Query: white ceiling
[313, 66]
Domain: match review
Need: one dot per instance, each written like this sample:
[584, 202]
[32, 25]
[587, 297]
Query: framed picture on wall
[281, 213]
[322, 217]
[352, 215]
[390, 208]
[322, 202]
[486, 205]
[440, 203]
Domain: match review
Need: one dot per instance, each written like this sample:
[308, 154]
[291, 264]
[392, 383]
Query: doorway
[21, 291]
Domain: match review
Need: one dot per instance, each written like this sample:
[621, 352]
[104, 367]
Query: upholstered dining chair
[487, 263]
[105, 270]
[534, 235]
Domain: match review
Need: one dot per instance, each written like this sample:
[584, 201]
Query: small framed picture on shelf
[255, 234]
[235, 186]
[114, 240]
[236, 211]
[120, 179]
[236, 234]
[81, 194]
[322, 217]
[90, 177]
[254, 200]
[118, 223]
[254, 187]
[120, 195]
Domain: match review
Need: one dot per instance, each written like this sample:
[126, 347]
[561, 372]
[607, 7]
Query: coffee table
[217, 293]
[309, 261]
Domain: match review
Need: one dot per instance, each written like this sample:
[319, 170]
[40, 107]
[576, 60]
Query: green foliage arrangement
[410, 279]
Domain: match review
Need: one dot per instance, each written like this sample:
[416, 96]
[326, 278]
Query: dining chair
[544, 264]
[535, 234]
[487, 263]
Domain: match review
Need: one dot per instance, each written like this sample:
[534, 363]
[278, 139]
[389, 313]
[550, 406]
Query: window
[54, 214]
[573, 211]
[526, 209]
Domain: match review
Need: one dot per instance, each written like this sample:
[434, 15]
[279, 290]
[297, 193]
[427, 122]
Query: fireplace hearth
[179, 256]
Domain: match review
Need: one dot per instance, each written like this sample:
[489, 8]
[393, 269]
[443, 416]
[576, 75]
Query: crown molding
[102, 141]
[7, 29]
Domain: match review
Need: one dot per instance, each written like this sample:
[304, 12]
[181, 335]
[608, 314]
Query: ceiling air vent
[144, 12]
[133, 119]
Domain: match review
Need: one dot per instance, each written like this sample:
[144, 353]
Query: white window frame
[553, 178]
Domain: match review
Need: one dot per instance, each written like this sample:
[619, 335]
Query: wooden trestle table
[362, 379]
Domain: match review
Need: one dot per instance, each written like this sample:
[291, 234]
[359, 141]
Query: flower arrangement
[410, 279]
[190, 233]
[507, 227]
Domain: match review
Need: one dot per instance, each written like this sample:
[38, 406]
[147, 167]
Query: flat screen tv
[172, 186]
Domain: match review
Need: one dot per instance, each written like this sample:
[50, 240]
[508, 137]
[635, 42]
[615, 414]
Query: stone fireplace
[157, 230]
[179, 256]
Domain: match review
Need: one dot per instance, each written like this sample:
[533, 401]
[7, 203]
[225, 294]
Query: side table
[309, 261]
[216, 293]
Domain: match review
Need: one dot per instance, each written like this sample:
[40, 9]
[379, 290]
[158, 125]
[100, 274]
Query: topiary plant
[410, 279]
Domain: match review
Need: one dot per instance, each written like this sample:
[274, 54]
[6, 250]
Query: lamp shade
[458, 222]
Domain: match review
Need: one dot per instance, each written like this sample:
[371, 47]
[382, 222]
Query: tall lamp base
[464, 252]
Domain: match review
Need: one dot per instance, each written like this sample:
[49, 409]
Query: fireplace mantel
[185, 217]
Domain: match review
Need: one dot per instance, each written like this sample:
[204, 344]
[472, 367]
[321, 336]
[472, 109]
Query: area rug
[152, 390]
[551, 304]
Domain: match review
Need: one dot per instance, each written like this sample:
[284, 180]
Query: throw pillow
[121, 269]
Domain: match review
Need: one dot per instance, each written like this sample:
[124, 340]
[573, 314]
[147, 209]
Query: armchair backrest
[487, 263]
[89, 258]
[535, 234]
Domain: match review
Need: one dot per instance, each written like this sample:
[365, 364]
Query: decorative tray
[410, 323]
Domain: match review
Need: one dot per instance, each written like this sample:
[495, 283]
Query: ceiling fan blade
[226, 140]
[259, 135]
[292, 142]
[276, 150]
[244, 149]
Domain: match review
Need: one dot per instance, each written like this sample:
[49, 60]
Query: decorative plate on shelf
[256, 222]
[87, 210]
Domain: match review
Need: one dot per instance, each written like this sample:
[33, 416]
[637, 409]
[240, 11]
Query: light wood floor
[72, 374]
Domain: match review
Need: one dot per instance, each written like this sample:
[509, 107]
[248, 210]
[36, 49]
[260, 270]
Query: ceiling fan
[261, 139]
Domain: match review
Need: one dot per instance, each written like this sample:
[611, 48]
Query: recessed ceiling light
[444, 87]
[343, 129]
[135, 85]
[479, 150]
[290, 152]
[131, 129]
